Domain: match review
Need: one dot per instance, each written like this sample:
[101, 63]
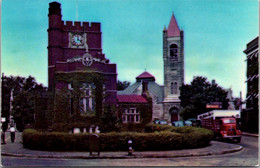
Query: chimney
[145, 88]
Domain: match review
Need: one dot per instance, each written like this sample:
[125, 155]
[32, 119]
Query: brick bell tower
[75, 46]
[173, 58]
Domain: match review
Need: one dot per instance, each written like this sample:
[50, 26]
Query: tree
[122, 85]
[200, 92]
[24, 92]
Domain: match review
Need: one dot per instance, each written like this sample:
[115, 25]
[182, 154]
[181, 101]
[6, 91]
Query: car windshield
[229, 121]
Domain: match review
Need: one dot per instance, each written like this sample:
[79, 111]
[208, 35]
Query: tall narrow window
[87, 100]
[174, 88]
[174, 52]
[70, 87]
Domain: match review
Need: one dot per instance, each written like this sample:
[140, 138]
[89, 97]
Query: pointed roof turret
[145, 76]
[173, 28]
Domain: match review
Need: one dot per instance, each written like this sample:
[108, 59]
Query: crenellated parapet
[81, 26]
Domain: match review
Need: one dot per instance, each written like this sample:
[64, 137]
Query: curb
[249, 134]
[124, 157]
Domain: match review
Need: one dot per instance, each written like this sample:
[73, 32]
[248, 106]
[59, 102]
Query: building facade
[252, 74]
[75, 52]
[250, 116]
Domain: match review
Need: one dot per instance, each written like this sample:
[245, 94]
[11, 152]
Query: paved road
[247, 157]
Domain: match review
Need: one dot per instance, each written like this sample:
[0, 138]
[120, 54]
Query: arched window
[174, 88]
[174, 52]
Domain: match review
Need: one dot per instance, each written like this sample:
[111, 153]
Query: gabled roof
[173, 28]
[131, 99]
[145, 75]
[153, 88]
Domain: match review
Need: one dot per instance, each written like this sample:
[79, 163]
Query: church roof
[136, 88]
[131, 99]
[173, 28]
[145, 75]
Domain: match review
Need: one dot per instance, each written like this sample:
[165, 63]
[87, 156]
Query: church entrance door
[174, 114]
[174, 117]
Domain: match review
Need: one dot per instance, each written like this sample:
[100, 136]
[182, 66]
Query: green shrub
[132, 127]
[56, 141]
[167, 138]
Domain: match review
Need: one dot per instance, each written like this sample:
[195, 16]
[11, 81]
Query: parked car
[194, 121]
[178, 123]
[188, 123]
[163, 122]
[181, 123]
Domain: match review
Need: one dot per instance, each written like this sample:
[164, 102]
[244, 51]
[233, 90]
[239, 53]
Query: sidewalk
[216, 148]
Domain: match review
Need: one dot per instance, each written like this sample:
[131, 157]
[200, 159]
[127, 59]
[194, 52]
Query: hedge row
[180, 138]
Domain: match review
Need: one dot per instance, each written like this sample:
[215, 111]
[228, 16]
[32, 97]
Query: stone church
[166, 102]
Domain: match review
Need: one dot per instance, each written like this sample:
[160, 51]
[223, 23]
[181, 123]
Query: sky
[215, 36]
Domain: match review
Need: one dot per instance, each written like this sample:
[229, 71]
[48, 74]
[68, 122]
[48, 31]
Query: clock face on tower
[77, 40]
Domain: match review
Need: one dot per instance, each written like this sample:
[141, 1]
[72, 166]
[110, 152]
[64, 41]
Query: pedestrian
[12, 132]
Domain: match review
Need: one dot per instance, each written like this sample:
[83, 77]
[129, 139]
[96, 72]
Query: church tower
[75, 47]
[173, 58]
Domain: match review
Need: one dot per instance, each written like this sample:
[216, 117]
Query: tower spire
[173, 28]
